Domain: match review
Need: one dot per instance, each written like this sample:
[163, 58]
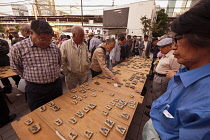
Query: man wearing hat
[94, 42]
[16, 37]
[167, 62]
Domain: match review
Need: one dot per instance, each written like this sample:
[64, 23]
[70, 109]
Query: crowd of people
[180, 70]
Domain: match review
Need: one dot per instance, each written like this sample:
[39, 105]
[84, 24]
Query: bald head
[78, 34]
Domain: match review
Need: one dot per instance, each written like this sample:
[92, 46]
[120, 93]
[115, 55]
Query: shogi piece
[101, 90]
[112, 103]
[42, 108]
[55, 108]
[58, 122]
[131, 95]
[86, 84]
[108, 82]
[87, 88]
[109, 123]
[108, 107]
[132, 102]
[88, 134]
[120, 106]
[79, 114]
[94, 95]
[86, 110]
[29, 121]
[92, 89]
[123, 102]
[104, 131]
[105, 112]
[73, 120]
[116, 100]
[73, 90]
[51, 103]
[74, 102]
[111, 94]
[92, 106]
[72, 135]
[121, 129]
[74, 96]
[125, 115]
[84, 96]
[79, 98]
[34, 128]
[132, 106]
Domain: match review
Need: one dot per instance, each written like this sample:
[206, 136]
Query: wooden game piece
[29, 121]
[123, 102]
[104, 131]
[88, 134]
[34, 128]
[73, 120]
[108, 82]
[72, 135]
[55, 108]
[92, 89]
[131, 95]
[51, 103]
[86, 110]
[97, 83]
[92, 106]
[73, 90]
[42, 108]
[112, 103]
[109, 123]
[121, 129]
[101, 90]
[125, 115]
[79, 98]
[132, 106]
[58, 122]
[79, 114]
[116, 100]
[74, 96]
[105, 112]
[94, 95]
[120, 106]
[111, 94]
[108, 107]
[84, 96]
[74, 102]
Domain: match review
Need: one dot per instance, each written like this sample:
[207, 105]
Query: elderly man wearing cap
[167, 62]
[94, 42]
[16, 37]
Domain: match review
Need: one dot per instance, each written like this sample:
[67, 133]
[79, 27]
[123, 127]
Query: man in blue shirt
[183, 111]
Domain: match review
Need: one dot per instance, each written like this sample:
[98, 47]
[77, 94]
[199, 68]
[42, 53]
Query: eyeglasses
[42, 40]
[177, 38]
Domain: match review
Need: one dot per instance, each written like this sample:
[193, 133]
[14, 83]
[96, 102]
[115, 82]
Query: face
[23, 32]
[122, 42]
[110, 46]
[155, 42]
[79, 37]
[166, 49]
[43, 40]
[187, 55]
[145, 39]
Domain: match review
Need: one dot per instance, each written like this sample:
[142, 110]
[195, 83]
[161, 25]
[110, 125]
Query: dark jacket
[4, 50]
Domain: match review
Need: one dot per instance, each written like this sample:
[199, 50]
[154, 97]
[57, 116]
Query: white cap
[165, 42]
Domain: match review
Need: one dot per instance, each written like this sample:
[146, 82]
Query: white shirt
[94, 42]
[145, 45]
[167, 62]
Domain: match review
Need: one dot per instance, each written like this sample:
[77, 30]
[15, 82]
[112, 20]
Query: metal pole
[82, 12]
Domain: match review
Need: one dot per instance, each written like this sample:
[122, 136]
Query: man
[167, 62]
[182, 112]
[145, 47]
[94, 42]
[25, 30]
[75, 60]
[16, 37]
[98, 64]
[4, 61]
[4, 111]
[115, 53]
[134, 49]
[38, 61]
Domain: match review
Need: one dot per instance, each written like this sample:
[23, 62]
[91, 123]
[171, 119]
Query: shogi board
[6, 72]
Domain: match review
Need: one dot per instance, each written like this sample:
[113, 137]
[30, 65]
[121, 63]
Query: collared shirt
[115, 52]
[98, 62]
[167, 62]
[74, 58]
[187, 105]
[94, 42]
[35, 64]
[145, 45]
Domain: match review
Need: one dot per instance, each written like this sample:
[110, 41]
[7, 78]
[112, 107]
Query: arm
[4, 47]
[16, 63]
[63, 59]
[171, 73]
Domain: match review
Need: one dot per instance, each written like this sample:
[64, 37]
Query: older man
[182, 112]
[25, 30]
[38, 61]
[75, 60]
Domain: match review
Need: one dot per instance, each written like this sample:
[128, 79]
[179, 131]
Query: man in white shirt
[75, 60]
[145, 47]
[94, 42]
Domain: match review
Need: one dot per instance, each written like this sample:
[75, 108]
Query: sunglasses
[177, 38]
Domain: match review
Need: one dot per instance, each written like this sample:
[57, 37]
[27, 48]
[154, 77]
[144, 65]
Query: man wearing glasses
[38, 61]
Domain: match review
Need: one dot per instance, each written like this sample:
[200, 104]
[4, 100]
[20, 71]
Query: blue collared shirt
[187, 103]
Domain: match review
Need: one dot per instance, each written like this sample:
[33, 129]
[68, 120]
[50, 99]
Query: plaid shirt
[35, 64]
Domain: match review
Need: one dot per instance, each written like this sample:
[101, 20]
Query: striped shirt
[35, 64]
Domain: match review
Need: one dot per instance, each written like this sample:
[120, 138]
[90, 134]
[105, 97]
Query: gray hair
[25, 27]
[110, 40]
[76, 29]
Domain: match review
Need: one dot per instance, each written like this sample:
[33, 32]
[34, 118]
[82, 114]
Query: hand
[113, 62]
[116, 80]
[171, 73]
